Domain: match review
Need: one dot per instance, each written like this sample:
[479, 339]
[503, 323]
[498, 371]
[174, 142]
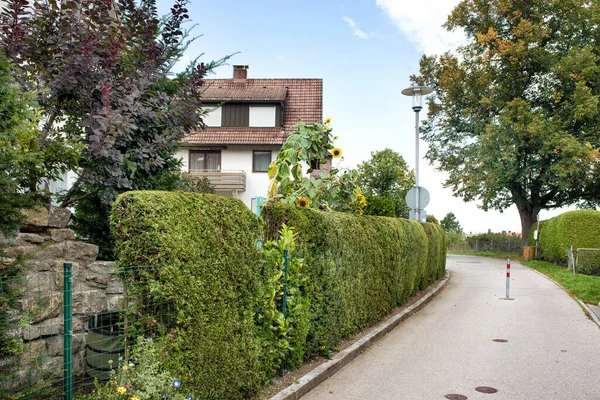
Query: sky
[365, 51]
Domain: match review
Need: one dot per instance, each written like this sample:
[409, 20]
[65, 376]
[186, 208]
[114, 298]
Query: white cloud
[421, 22]
[357, 32]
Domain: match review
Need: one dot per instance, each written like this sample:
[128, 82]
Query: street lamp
[417, 93]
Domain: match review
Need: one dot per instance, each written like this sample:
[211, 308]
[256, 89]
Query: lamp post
[417, 93]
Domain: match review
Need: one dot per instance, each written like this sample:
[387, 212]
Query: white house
[245, 133]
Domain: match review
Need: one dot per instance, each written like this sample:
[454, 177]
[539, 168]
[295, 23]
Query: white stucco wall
[239, 158]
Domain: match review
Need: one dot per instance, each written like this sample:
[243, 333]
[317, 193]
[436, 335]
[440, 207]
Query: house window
[205, 160]
[261, 160]
[262, 116]
[213, 117]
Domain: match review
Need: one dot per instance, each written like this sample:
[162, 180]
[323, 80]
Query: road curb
[590, 312]
[339, 360]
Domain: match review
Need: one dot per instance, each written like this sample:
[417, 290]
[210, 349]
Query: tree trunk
[528, 216]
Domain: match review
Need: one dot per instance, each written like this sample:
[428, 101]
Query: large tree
[514, 115]
[386, 175]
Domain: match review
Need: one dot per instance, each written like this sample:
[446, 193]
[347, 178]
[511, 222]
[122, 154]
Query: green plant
[331, 190]
[379, 206]
[574, 228]
[584, 287]
[360, 268]
[282, 337]
[204, 283]
[386, 176]
[141, 377]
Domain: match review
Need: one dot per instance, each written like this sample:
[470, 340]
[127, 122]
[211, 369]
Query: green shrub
[225, 334]
[208, 274]
[580, 229]
[380, 206]
[359, 268]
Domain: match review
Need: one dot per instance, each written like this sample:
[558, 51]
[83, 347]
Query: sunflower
[303, 202]
[328, 121]
[336, 152]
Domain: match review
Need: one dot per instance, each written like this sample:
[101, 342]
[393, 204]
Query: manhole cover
[486, 389]
[455, 397]
[500, 340]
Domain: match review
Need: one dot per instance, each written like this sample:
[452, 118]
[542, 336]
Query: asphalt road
[552, 350]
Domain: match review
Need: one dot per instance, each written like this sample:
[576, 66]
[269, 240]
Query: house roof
[236, 135]
[241, 92]
[303, 100]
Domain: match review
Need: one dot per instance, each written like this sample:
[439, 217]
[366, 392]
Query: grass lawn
[586, 288]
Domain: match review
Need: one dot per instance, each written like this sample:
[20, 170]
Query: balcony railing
[223, 180]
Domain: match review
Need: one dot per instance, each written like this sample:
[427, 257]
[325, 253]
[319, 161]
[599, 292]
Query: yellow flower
[336, 152]
[322, 348]
[328, 121]
[303, 202]
[121, 390]
[135, 398]
[125, 367]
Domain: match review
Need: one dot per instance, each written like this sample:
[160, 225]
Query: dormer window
[263, 116]
[213, 116]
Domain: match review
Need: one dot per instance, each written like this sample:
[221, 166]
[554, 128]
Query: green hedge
[360, 268]
[581, 229]
[221, 333]
[205, 247]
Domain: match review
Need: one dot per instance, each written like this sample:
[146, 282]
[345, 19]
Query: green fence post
[284, 298]
[68, 331]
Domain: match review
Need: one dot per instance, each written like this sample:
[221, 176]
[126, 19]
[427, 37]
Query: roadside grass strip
[584, 287]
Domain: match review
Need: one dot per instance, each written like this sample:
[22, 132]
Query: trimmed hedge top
[579, 228]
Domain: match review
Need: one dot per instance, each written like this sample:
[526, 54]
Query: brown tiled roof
[237, 135]
[241, 92]
[303, 100]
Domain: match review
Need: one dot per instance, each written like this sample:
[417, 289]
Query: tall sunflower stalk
[308, 147]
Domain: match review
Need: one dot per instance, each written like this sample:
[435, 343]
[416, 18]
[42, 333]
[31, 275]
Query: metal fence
[68, 327]
[584, 260]
[509, 245]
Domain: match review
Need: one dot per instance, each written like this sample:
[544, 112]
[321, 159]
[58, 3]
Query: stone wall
[44, 244]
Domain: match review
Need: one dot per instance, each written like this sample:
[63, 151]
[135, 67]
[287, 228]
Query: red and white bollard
[507, 279]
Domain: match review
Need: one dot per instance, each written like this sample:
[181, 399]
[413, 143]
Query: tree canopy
[450, 224]
[97, 71]
[386, 175]
[514, 115]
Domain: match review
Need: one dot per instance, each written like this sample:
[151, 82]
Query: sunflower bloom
[303, 202]
[336, 152]
[121, 390]
[328, 121]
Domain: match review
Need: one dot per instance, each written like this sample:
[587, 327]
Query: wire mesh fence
[63, 329]
[508, 245]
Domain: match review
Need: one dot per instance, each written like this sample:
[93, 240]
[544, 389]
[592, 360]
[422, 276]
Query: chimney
[240, 73]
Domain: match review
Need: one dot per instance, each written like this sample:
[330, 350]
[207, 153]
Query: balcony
[223, 180]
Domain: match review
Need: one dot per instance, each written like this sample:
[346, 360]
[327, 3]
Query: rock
[89, 302]
[41, 308]
[26, 239]
[35, 219]
[6, 261]
[58, 217]
[33, 351]
[61, 234]
[22, 250]
[82, 253]
[115, 287]
[44, 328]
